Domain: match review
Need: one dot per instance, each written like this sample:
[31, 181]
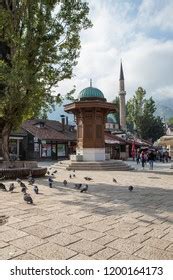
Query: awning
[114, 142]
[166, 140]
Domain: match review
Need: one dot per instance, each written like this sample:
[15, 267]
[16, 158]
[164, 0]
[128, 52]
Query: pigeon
[27, 198]
[70, 176]
[31, 180]
[55, 171]
[2, 187]
[11, 188]
[65, 183]
[18, 180]
[23, 189]
[130, 188]
[22, 184]
[3, 219]
[84, 188]
[35, 189]
[78, 186]
[50, 182]
[88, 178]
[114, 180]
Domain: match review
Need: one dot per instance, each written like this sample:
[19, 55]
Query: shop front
[53, 150]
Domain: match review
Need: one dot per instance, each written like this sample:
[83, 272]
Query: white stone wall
[92, 154]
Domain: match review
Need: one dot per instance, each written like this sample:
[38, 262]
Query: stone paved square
[108, 222]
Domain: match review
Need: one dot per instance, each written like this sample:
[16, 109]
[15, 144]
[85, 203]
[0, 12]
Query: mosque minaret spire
[122, 94]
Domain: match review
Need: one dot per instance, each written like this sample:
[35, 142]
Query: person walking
[143, 159]
[138, 157]
[151, 158]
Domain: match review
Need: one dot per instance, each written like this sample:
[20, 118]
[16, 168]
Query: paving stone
[27, 242]
[40, 231]
[170, 248]
[151, 253]
[105, 239]
[26, 256]
[157, 243]
[89, 219]
[81, 257]
[3, 244]
[37, 218]
[23, 224]
[168, 236]
[86, 247]
[120, 233]
[63, 239]
[80, 215]
[72, 229]
[101, 227]
[143, 223]
[157, 233]
[104, 254]
[89, 235]
[124, 256]
[13, 220]
[52, 251]
[141, 230]
[146, 218]
[4, 228]
[10, 252]
[121, 225]
[138, 238]
[55, 224]
[136, 214]
[125, 245]
[12, 234]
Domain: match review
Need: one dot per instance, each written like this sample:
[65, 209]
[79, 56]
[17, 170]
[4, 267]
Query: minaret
[122, 94]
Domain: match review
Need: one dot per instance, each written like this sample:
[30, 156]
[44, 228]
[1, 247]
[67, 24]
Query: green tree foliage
[170, 121]
[42, 41]
[140, 115]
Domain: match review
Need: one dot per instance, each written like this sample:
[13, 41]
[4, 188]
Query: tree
[135, 107]
[140, 114]
[42, 42]
[170, 121]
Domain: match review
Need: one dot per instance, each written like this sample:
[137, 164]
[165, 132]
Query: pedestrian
[50, 182]
[138, 157]
[151, 158]
[166, 154]
[143, 159]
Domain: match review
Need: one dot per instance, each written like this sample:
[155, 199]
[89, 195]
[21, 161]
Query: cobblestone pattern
[107, 222]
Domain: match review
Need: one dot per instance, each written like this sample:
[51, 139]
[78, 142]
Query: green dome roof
[111, 118]
[91, 93]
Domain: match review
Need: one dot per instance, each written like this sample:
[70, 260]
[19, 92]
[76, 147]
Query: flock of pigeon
[26, 196]
[31, 181]
[81, 187]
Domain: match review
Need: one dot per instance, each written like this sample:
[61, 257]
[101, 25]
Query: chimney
[63, 122]
[66, 121]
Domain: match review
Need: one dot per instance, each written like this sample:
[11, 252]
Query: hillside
[165, 108]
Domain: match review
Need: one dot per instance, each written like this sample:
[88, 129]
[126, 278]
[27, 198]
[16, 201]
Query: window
[61, 150]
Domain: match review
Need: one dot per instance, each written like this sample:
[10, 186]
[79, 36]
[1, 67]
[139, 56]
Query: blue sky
[138, 31]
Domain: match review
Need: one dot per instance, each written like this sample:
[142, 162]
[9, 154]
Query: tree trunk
[6, 130]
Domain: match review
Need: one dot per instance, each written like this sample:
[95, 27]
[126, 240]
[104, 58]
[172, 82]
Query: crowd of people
[144, 156]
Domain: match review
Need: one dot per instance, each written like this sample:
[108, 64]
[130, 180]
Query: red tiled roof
[52, 130]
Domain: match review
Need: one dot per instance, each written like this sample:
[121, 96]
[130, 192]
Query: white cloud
[123, 29]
